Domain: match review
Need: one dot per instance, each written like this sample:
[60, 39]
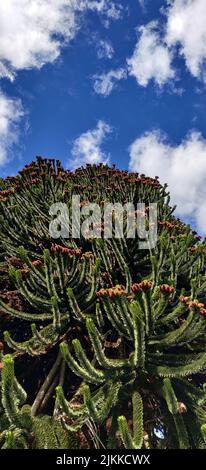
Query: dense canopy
[102, 344]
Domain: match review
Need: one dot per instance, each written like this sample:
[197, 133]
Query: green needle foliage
[101, 344]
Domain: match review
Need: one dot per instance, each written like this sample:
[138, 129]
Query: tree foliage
[102, 344]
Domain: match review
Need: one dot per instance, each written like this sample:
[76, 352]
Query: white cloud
[27, 29]
[108, 8]
[87, 147]
[32, 32]
[151, 58]
[11, 112]
[183, 167]
[6, 73]
[186, 28]
[104, 49]
[183, 32]
[106, 82]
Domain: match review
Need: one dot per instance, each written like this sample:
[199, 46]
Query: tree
[107, 340]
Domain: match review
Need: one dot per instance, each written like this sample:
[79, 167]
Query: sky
[121, 82]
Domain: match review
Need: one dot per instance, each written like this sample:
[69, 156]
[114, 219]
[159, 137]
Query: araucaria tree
[102, 344]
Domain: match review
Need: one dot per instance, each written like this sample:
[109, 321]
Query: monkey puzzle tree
[102, 344]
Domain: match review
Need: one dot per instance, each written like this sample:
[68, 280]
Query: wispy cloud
[104, 49]
[112, 9]
[87, 148]
[142, 4]
[106, 82]
[182, 166]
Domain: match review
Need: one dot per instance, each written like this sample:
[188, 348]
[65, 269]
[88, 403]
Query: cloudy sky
[119, 81]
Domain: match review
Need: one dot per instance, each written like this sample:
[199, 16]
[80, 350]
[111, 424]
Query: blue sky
[123, 82]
